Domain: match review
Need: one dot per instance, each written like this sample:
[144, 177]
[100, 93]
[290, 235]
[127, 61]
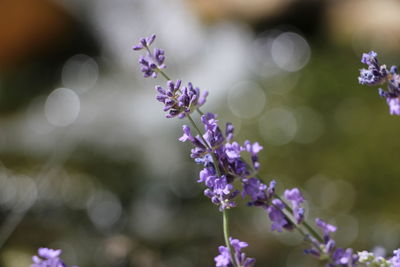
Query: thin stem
[301, 231]
[163, 74]
[293, 223]
[198, 131]
[306, 225]
[200, 112]
[226, 237]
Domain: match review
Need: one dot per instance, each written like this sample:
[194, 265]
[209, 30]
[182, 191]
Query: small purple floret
[48, 258]
[152, 62]
[224, 258]
[325, 227]
[179, 102]
[394, 105]
[296, 199]
[376, 74]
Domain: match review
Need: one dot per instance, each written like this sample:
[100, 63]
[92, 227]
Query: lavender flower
[325, 227]
[180, 101]
[221, 192]
[224, 258]
[394, 105]
[152, 62]
[48, 258]
[213, 144]
[253, 149]
[369, 259]
[223, 164]
[376, 74]
[256, 190]
[395, 260]
[327, 251]
[277, 217]
[144, 42]
[295, 197]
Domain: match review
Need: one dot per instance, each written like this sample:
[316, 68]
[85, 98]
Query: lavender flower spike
[295, 197]
[48, 258]
[224, 258]
[376, 74]
[152, 62]
[144, 42]
[179, 102]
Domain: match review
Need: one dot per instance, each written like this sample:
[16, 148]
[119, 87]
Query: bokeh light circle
[278, 126]
[80, 73]
[290, 51]
[62, 107]
[246, 99]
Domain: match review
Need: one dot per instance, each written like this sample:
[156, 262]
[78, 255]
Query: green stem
[200, 112]
[163, 74]
[306, 225]
[300, 230]
[226, 237]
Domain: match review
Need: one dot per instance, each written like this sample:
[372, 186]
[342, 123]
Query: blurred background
[89, 164]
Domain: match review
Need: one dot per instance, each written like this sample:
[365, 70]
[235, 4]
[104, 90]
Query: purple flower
[224, 258]
[221, 192]
[253, 149]
[48, 258]
[229, 131]
[376, 74]
[233, 150]
[395, 260]
[152, 62]
[325, 227]
[344, 257]
[254, 188]
[213, 134]
[180, 101]
[144, 42]
[278, 218]
[394, 105]
[295, 197]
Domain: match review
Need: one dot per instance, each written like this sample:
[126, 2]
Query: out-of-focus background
[89, 164]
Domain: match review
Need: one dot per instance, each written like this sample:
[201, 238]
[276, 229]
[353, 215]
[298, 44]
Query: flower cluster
[218, 176]
[179, 102]
[152, 62]
[223, 164]
[227, 175]
[370, 260]
[326, 250]
[48, 258]
[378, 74]
[224, 258]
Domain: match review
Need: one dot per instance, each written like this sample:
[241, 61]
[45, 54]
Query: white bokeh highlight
[246, 99]
[278, 126]
[80, 73]
[290, 51]
[62, 107]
